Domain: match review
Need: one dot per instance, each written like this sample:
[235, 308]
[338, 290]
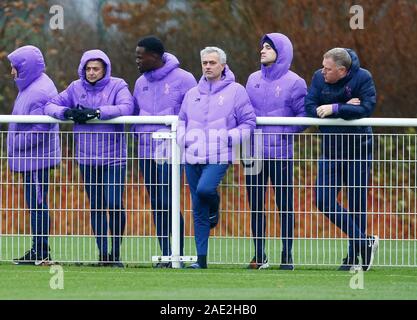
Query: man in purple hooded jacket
[215, 116]
[275, 91]
[33, 148]
[158, 92]
[100, 149]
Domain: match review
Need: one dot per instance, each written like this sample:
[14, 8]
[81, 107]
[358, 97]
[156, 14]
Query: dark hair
[99, 60]
[271, 44]
[152, 44]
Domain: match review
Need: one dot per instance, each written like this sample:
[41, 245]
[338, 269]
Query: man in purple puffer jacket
[158, 92]
[100, 149]
[275, 91]
[33, 148]
[215, 116]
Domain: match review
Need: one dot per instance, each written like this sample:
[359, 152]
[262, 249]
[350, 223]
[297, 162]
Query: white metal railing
[316, 241]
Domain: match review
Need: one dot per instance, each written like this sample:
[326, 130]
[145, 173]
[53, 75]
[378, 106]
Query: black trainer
[196, 265]
[257, 264]
[368, 251]
[31, 257]
[115, 262]
[163, 265]
[28, 258]
[348, 263]
[286, 262]
[103, 260]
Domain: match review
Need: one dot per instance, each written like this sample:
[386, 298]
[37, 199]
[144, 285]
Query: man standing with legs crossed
[342, 89]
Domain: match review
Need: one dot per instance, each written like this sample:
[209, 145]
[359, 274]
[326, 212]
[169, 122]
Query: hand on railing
[81, 114]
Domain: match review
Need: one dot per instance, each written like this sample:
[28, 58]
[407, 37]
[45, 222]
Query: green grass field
[315, 276]
[217, 282]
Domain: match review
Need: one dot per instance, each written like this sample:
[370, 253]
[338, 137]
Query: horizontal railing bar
[168, 120]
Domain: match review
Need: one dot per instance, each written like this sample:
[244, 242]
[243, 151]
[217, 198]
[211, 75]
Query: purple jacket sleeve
[298, 93]
[188, 83]
[61, 102]
[136, 109]
[26, 140]
[123, 107]
[245, 118]
[182, 123]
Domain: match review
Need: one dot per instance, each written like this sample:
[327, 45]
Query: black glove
[84, 114]
[69, 114]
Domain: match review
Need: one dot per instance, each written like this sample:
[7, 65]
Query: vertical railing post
[176, 186]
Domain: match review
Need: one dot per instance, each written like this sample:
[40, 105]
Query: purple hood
[285, 55]
[275, 91]
[29, 63]
[96, 144]
[32, 146]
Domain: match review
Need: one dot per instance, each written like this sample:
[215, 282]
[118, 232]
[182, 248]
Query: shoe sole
[44, 262]
[374, 249]
[17, 263]
[286, 267]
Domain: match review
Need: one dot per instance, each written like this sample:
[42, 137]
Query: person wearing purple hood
[215, 116]
[100, 148]
[33, 149]
[159, 91]
[275, 91]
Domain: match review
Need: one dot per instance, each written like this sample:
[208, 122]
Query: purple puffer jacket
[275, 91]
[214, 117]
[96, 144]
[32, 146]
[158, 93]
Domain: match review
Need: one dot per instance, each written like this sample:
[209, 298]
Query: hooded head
[94, 55]
[29, 64]
[284, 50]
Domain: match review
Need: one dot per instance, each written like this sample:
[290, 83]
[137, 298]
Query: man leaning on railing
[342, 89]
[100, 147]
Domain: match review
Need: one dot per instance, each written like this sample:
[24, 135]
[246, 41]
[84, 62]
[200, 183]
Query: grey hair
[340, 57]
[220, 52]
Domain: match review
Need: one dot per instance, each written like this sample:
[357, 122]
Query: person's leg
[193, 173]
[114, 183]
[164, 216]
[329, 183]
[255, 187]
[93, 183]
[358, 175]
[282, 181]
[203, 181]
[148, 168]
[36, 193]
